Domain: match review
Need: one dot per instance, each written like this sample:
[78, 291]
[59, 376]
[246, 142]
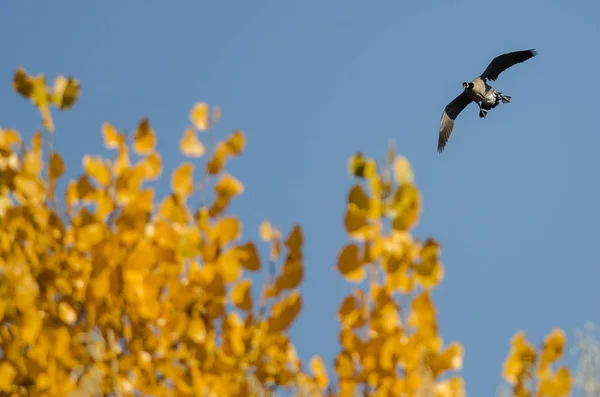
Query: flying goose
[480, 92]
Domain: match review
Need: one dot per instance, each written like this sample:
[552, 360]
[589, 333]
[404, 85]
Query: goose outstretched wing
[505, 61]
[451, 111]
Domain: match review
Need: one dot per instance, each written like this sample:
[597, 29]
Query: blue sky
[512, 200]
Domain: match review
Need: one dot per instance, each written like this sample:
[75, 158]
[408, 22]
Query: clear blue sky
[513, 200]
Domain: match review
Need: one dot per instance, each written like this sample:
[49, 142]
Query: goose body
[480, 92]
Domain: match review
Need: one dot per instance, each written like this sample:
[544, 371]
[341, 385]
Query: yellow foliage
[123, 293]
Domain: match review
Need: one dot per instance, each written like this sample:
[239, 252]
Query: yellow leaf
[284, 312]
[558, 385]
[57, 166]
[218, 206]
[66, 92]
[228, 187]
[405, 207]
[236, 143]
[227, 230]
[190, 145]
[251, 261]
[31, 325]
[217, 162]
[112, 138]
[199, 116]
[449, 360]
[9, 137]
[151, 166]
[554, 346]
[144, 138]
[182, 181]
[294, 243]
[84, 188]
[520, 359]
[32, 163]
[34, 88]
[344, 366]
[453, 387]
[351, 312]
[357, 225]
[22, 83]
[402, 170]
[291, 275]
[317, 367]
[241, 296]
[196, 330]
[266, 231]
[66, 313]
[7, 376]
[230, 264]
[349, 264]
[358, 198]
[361, 167]
[429, 270]
[96, 168]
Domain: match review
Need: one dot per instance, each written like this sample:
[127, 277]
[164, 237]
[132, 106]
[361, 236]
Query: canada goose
[480, 92]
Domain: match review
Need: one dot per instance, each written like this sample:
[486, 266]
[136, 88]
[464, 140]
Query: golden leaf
[151, 166]
[144, 138]
[402, 170]
[34, 88]
[199, 116]
[251, 261]
[228, 187]
[227, 230]
[84, 188]
[57, 166]
[358, 198]
[449, 360]
[317, 367]
[558, 385]
[357, 224]
[351, 312]
[241, 296]
[291, 275]
[190, 145]
[7, 375]
[265, 230]
[405, 207]
[284, 312]
[554, 346]
[218, 206]
[429, 270]
[66, 313]
[236, 143]
[66, 92]
[349, 264]
[361, 167]
[520, 359]
[181, 180]
[344, 366]
[96, 168]
[22, 83]
[196, 330]
[294, 242]
[9, 137]
[217, 162]
[31, 325]
[112, 138]
[230, 263]
[453, 387]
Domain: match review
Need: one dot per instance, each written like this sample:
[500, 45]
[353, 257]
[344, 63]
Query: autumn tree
[109, 290]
